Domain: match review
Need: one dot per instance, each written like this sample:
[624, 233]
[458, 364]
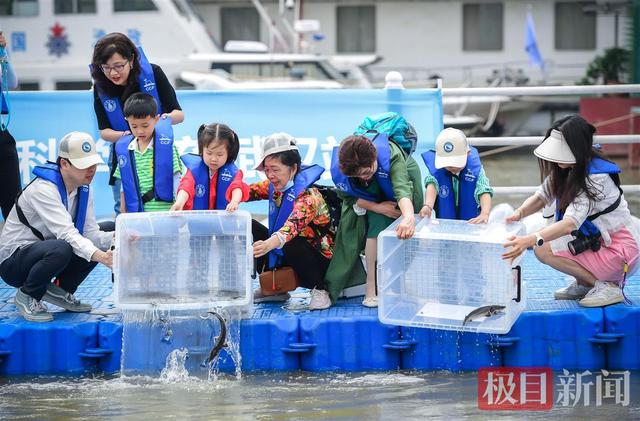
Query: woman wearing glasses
[119, 69]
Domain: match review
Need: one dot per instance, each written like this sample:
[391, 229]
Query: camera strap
[609, 209]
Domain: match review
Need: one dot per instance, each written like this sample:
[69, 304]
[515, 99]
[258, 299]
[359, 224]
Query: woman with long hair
[119, 69]
[594, 239]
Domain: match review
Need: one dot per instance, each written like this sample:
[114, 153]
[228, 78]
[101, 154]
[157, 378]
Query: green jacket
[346, 269]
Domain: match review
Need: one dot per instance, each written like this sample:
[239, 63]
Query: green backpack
[397, 129]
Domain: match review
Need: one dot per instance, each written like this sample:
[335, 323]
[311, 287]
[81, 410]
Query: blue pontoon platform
[347, 336]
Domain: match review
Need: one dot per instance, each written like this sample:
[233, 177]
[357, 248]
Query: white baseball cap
[274, 143]
[451, 148]
[80, 149]
[555, 149]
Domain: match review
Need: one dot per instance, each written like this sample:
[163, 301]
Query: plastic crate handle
[298, 347]
[95, 353]
[518, 270]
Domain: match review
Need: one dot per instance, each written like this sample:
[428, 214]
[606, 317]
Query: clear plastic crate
[183, 260]
[448, 269]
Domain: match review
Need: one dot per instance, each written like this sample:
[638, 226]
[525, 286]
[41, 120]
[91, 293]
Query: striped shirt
[482, 186]
[144, 170]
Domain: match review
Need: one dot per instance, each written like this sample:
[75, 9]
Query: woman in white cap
[593, 239]
[299, 234]
[52, 232]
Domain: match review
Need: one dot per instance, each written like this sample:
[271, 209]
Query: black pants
[32, 267]
[9, 172]
[308, 263]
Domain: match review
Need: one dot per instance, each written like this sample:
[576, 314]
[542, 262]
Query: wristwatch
[539, 240]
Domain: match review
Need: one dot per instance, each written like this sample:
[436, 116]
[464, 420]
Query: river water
[281, 396]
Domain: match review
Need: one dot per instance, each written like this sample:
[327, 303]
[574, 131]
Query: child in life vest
[456, 184]
[209, 174]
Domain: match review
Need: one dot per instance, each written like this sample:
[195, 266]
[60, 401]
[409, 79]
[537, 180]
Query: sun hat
[274, 143]
[451, 148]
[555, 149]
[80, 149]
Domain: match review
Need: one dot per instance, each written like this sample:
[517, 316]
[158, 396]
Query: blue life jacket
[279, 215]
[596, 166]
[147, 85]
[162, 169]
[382, 175]
[51, 172]
[200, 173]
[445, 205]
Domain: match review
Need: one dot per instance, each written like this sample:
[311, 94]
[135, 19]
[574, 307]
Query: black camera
[583, 242]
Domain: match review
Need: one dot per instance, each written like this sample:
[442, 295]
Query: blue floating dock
[346, 337]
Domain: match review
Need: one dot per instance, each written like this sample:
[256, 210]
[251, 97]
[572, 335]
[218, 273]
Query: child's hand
[176, 207]
[232, 206]
[426, 211]
[483, 218]
[388, 209]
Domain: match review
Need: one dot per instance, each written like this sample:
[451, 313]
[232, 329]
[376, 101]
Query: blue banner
[319, 119]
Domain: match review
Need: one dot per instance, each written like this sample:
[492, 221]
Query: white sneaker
[319, 300]
[602, 294]
[573, 291]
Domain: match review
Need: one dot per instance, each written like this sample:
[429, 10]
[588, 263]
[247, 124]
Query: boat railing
[393, 80]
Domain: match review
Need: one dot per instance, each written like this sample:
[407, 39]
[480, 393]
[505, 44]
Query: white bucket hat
[80, 149]
[451, 148]
[274, 143]
[555, 149]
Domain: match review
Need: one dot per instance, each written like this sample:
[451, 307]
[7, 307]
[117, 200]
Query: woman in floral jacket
[299, 233]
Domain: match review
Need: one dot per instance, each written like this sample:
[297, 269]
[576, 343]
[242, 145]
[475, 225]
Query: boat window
[73, 85]
[239, 23]
[482, 26]
[356, 29]
[133, 5]
[28, 86]
[19, 8]
[575, 28]
[63, 7]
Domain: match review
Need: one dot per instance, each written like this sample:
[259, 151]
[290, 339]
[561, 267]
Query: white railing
[394, 81]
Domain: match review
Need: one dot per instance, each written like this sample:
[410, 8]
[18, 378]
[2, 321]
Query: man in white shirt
[52, 232]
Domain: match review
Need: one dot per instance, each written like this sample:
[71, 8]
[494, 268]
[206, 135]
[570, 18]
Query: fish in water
[484, 311]
[220, 341]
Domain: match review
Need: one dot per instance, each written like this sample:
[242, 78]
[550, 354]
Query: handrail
[543, 90]
[536, 140]
[629, 188]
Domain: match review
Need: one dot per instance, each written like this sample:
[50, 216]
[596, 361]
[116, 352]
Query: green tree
[611, 67]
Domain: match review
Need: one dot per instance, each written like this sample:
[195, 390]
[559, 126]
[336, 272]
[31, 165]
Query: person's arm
[46, 203]
[403, 191]
[170, 106]
[123, 205]
[530, 206]
[238, 191]
[485, 209]
[554, 231]
[386, 208]
[100, 239]
[483, 193]
[181, 200]
[236, 197]
[429, 200]
[305, 209]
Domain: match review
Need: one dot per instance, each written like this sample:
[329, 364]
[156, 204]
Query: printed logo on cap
[444, 191]
[200, 190]
[86, 147]
[110, 105]
[448, 147]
